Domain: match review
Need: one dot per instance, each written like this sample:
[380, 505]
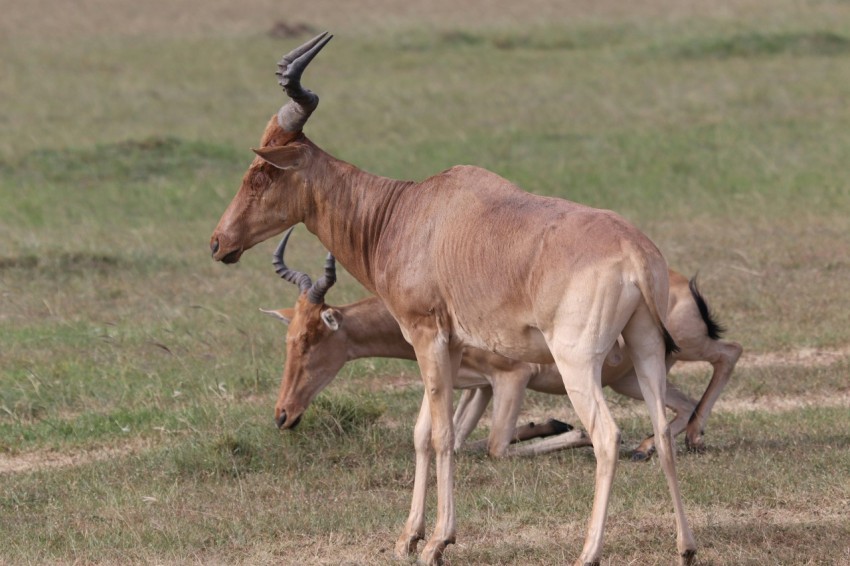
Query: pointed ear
[331, 319]
[282, 157]
[285, 315]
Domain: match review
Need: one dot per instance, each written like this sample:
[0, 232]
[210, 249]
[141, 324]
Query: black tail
[670, 346]
[715, 329]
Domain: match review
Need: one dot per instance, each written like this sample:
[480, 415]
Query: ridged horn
[317, 292]
[296, 277]
[294, 114]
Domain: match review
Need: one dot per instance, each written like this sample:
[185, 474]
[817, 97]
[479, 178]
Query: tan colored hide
[466, 258]
[322, 338]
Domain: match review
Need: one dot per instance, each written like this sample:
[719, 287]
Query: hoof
[432, 554]
[696, 446]
[688, 558]
[640, 456]
[644, 451]
[406, 546]
[560, 427]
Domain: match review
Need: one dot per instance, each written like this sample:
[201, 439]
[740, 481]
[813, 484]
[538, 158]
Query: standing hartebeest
[322, 338]
[466, 258]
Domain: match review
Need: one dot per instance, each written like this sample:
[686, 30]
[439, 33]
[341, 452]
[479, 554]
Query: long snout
[223, 252]
[285, 422]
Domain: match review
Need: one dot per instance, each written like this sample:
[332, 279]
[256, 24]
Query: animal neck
[349, 211]
[373, 332]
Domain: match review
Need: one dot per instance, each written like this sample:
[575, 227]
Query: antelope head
[316, 345]
[271, 197]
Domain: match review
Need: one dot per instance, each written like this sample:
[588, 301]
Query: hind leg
[681, 404]
[723, 357]
[582, 380]
[645, 344]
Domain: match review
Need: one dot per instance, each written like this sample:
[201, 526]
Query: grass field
[137, 378]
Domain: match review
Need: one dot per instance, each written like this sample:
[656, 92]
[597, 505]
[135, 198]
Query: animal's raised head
[267, 202]
[316, 345]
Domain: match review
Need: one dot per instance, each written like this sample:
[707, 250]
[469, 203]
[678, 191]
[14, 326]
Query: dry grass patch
[46, 459]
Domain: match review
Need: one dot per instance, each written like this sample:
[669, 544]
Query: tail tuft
[715, 329]
[670, 346]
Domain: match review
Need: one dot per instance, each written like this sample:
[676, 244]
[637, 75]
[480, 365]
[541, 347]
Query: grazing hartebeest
[466, 258]
[322, 338]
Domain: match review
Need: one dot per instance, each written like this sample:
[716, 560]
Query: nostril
[281, 420]
[214, 246]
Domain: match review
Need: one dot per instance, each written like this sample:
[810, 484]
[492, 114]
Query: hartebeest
[466, 258]
[322, 338]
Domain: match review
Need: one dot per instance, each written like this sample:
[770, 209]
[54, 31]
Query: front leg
[508, 395]
[439, 361]
[471, 406]
[414, 528]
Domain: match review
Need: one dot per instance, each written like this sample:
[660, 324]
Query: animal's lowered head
[316, 345]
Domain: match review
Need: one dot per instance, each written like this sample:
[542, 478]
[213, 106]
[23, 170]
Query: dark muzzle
[281, 421]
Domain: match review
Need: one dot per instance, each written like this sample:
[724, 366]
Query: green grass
[236, 486]
[767, 44]
[723, 133]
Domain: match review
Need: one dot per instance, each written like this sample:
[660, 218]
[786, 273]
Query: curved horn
[293, 115]
[316, 295]
[301, 279]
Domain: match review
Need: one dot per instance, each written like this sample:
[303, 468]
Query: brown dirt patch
[804, 357]
[46, 459]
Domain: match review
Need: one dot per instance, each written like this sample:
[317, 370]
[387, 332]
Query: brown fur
[466, 258]
[315, 354]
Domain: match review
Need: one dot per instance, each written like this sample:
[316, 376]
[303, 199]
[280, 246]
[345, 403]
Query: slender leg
[469, 410]
[467, 396]
[438, 363]
[723, 357]
[414, 528]
[581, 375]
[471, 407]
[646, 347]
[551, 427]
[508, 395]
[674, 399]
[571, 439]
